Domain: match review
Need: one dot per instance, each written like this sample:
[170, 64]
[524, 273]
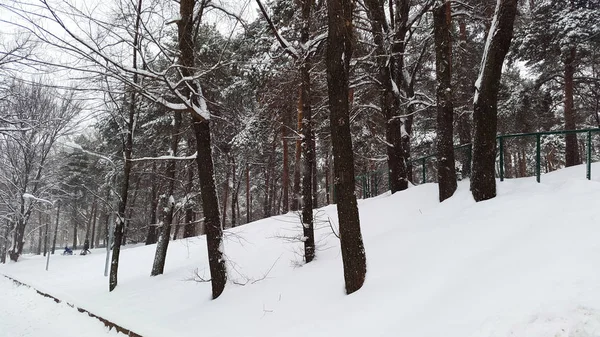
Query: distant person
[67, 251]
[86, 247]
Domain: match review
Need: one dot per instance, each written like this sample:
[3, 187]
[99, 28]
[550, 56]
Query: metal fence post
[537, 157]
[501, 139]
[424, 169]
[588, 172]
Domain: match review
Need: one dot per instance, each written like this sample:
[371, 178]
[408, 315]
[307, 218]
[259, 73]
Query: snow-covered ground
[23, 312]
[525, 264]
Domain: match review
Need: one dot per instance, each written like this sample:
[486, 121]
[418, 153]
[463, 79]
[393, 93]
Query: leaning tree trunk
[485, 117]
[201, 126]
[339, 53]
[151, 236]
[571, 146]
[307, 139]
[120, 221]
[160, 256]
[445, 112]
[127, 150]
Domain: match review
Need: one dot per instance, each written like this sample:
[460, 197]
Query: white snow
[25, 313]
[524, 264]
[32, 197]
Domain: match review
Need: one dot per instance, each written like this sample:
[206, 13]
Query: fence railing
[370, 181]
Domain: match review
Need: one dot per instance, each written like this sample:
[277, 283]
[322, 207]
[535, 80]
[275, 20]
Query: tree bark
[307, 139]
[225, 197]
[210, 206]
[190, 227]
[445, 113]
[389, 103]
[286, 169]
[248, 198]
[6, 243]
[40, 234]
[204, 160]
[160, 256]
[297, 153]
[74, 218]
[234, 191]
[485, 117]
[56, 227]
[94, 217]
[338, 55]
[151, 237]
[571, 148]
[46, 234]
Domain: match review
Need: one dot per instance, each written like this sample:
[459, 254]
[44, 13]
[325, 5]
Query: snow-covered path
[25, 313]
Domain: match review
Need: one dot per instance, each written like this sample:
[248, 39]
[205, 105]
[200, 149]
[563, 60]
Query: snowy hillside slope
[526, 263]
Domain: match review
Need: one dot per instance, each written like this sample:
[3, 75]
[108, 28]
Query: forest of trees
[161, 124]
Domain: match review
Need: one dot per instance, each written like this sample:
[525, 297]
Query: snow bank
[523, 264]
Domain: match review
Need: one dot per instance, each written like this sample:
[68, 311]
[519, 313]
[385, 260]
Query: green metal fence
[370, 182]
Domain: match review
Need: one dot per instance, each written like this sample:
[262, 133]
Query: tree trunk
[286, 170]
[446, 170]
[19, 232]
[485, 117]
[210, 206]
[234, 191]
[75, 223]
[248, 199]
[40, 234]
[338, 55]
[127, 150]
[204, 160]
[151, 237]
[315, 182]
[307, 139]
[130, 209]
[94, 218]
[571, 148]
[6, 243]
[225, 198]
[190, 227]
[399, 129]
[463, 123]
[46, 234]
[56, 227]
[327, 173]
[160, 256]
[389, 104]
[298, 152]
